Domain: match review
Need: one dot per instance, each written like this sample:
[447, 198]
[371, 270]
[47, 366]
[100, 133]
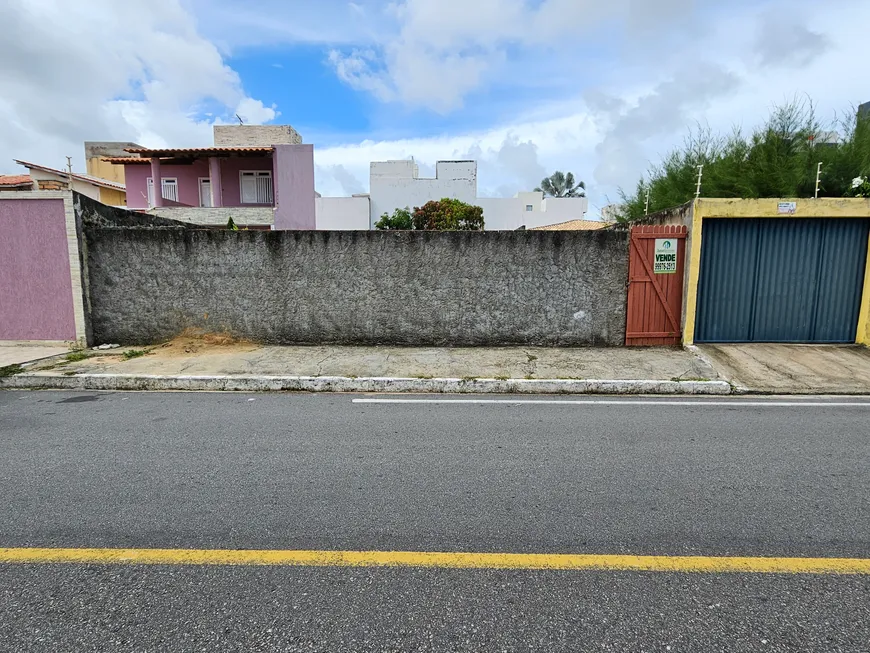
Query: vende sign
[665, 261]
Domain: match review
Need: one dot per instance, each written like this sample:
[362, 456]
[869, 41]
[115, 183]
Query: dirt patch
[192, 341]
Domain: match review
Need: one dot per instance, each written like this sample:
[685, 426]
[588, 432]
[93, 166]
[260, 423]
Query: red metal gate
[655, 285]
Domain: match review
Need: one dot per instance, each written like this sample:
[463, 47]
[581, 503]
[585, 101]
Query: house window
[205, 192]
[169, 186]
[529, 208]
[255, 187]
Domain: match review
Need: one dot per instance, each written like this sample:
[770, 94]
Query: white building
[342, 213]
[397, 184]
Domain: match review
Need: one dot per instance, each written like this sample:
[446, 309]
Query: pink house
[253, 173]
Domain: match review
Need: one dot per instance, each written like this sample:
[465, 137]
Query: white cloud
[510, 158]
[254, 112]
[232, 24]
[785, 40]
[599, 89]
[723, 72]
[105, 70]
[433, 53]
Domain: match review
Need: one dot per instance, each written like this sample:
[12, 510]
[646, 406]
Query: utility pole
[69, 172]
[700, 174]
[646, 204]
[818, 179]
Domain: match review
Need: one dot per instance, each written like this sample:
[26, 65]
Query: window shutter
[205, 193]
[249, 188]
[169, 189]
[264, 188]
[256, 188]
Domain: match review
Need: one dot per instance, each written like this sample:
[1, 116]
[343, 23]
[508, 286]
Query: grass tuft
[10, 370]
[134, 353]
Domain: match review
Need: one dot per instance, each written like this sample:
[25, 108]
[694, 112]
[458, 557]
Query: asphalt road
[294, 471]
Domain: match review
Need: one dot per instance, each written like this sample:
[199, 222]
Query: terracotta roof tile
[15, 180]
[145, 154]
[573, 225]
[135, 160]
[97, 181]
[175, 151]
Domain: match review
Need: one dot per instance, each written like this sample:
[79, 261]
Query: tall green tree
[779, 158]
[560, 184]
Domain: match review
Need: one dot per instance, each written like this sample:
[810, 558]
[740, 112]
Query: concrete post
[155, 180]
[214, 176]
[293, 182]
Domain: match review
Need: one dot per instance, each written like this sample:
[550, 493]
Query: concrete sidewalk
[793, 369]
[211, 362]
[18, 352]
[215, 362]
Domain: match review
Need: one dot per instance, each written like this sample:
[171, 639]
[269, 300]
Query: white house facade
[397, 184]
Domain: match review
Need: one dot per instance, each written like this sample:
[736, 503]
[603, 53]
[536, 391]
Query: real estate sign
[665, 261]
[786, 208]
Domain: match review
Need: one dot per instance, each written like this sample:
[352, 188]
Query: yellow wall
[113, 197]
[847, 207]
[105, 170]
[110, 172]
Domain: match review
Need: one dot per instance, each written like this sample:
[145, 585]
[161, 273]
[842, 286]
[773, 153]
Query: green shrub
[400, 220]
[448, 215]
[438, 215]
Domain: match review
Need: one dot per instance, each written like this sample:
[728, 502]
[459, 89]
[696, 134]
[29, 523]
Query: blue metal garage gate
[781, 280]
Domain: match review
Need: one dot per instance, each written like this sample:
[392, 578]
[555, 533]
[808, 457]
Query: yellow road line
[702, 564]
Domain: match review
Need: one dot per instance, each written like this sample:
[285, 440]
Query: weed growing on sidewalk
[76, 356]
[134, 353]
[10, 370]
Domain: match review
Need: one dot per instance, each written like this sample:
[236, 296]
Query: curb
[363, 384]
[735, 388]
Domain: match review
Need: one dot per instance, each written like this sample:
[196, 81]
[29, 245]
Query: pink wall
[188, 180]
[230, 169]
[35, 283]
[294, 187]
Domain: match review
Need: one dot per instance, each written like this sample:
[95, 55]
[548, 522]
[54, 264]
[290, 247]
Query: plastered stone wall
[352, 287]
[254, 135]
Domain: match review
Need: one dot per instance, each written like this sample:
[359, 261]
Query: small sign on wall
[665, 261]
[787, 208]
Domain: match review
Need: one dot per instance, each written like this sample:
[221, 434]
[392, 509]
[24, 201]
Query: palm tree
[561, 185]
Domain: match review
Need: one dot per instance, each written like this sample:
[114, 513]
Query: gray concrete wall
[108, 148]
[350, 287]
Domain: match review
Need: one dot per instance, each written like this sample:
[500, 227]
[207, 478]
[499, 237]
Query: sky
[525, 87]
